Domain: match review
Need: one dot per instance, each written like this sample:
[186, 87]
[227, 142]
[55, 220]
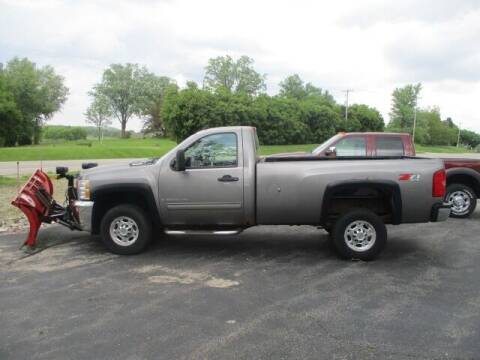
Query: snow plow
[35, 200]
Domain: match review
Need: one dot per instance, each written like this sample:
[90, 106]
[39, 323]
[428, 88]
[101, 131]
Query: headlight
[83, 189]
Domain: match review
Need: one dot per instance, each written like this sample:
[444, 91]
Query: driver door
[210, 190]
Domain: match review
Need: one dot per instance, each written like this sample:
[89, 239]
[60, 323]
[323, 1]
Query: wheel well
[465, 179]
[384, 200]
[105, 201]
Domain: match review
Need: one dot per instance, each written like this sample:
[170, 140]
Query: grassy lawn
[276, 149]
[112, 149]
[142, 148]
[109, 149]
[441, 149]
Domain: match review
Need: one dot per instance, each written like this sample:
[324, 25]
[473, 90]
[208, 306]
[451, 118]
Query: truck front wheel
[126, 230]
[462, 200]
[359, 234]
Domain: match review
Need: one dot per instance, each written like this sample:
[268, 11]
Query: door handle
[227, 178]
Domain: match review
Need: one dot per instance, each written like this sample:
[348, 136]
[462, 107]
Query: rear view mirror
[180, 160]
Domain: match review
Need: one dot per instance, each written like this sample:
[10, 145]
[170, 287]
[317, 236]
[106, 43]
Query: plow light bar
[61, 170]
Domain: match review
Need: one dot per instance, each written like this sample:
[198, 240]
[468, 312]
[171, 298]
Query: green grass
[276, 149]
[12, 180]
[441, 149]
[112, 149]
[142, 148]
[109, 149]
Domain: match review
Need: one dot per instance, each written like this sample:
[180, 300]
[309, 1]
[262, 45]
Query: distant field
[109, 149]
[140, 148]
[441, 149]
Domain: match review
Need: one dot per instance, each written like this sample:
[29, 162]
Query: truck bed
[290, 189]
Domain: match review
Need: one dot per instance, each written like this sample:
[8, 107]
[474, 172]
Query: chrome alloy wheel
[124, 231]
[360, 235]
[459, 201]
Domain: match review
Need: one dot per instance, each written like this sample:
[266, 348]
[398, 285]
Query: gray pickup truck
[215, 182]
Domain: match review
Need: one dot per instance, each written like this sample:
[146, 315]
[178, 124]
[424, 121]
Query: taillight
[439, 183]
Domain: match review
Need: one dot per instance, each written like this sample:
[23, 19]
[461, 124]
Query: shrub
[59, 132]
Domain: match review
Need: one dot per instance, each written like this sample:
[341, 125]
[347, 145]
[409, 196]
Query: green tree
[10, 116]
[224, 73]
[368, 118]
[154, 88]
[321, 121]
[293, 87]
[122, 86]
[404, 101]
[469, 138]
[37, 92]
[431, 130]
[99, 114]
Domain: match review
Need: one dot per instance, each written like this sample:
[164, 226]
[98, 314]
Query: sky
[369, 46]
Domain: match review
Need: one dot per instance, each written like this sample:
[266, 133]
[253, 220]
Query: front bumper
[85, 209]
[440, 212]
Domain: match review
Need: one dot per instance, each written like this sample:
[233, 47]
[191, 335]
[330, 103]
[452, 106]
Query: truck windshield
[324, 146]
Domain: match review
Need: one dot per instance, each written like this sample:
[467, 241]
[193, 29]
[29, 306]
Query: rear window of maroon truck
[389, 146]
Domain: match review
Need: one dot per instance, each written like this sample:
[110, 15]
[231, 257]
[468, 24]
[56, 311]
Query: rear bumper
[85, 209]
[440, 212]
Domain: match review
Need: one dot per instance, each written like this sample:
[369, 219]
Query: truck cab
[367, 144]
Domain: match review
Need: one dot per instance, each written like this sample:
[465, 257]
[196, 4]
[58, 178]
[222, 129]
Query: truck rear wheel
[359, 234]
[126, 230]
[462, 200]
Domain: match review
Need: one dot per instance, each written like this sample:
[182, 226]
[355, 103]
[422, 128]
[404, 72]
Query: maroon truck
[463, 175]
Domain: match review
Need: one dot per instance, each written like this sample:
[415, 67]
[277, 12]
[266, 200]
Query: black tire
[138, 233]
[368, 221]
[458, 211]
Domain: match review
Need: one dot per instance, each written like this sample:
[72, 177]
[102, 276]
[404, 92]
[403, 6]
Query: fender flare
[466, 172]
[463, 171]
[143, 190]
[388, 187]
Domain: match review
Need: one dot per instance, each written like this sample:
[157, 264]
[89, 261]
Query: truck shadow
[314, 245]
[281, 243]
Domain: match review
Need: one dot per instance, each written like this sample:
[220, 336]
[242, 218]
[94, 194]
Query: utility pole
[458, 139]
[415, 118]
[347, 91]
[414, 122]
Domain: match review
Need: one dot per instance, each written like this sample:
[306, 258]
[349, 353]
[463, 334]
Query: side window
[351, 146]
[389, 146]
[216, 150]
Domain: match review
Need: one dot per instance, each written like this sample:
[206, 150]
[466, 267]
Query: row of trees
[29, 96]
[426, 123]
[281, 119]
[233, 93]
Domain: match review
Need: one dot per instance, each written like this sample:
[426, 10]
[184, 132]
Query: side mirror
[180, 160]
[331, 151]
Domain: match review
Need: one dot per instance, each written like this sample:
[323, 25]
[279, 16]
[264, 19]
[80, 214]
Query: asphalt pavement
[269, 293]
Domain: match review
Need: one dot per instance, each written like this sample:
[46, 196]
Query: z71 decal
[409, 177]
